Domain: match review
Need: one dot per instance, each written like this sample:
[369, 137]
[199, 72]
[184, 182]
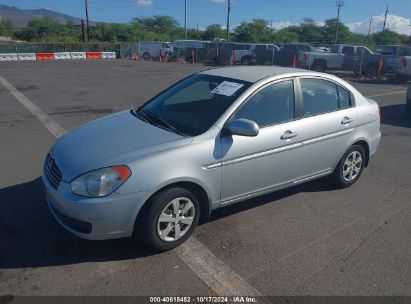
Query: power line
[340, 3]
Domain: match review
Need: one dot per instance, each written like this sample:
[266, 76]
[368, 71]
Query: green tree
[310, 32]
[254, 31]
[6, 28]
[287, 34]
[329, 28]
[213, 31]
[43, 29]
[389, 37]
[157, 24]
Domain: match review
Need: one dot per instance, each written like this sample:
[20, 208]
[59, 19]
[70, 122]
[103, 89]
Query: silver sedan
[213, 139]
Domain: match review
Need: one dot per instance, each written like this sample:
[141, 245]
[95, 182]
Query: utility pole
[83, 36]
[363, 46]
[228, 20]
[385, 19]
[185, 17]
[88, 28]
[339, 3]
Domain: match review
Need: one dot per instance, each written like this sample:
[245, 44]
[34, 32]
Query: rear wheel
[319, 66]
[246, 61]
[170, 219]
[350, 167]
[146, 56]
[371, 70]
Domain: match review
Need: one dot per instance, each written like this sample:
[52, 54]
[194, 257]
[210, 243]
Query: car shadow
[396, 115]
[30, 237]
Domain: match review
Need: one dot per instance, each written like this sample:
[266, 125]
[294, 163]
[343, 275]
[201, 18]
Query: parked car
[260, 53]
[264, 54]
[288, 53]
[154, 49]
[213, 139]
[395, 60]
[341, 56]
[409, 99]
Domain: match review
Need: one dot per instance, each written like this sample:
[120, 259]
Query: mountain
[20, 17]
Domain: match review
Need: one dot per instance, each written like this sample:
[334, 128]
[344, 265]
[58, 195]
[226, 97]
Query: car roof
[251, 73]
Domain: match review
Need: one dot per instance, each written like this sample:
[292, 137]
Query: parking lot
[308, 240]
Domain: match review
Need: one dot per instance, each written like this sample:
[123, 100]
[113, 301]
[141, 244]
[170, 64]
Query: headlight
[100, 182]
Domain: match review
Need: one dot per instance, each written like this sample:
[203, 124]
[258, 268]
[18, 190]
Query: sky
[355, 13]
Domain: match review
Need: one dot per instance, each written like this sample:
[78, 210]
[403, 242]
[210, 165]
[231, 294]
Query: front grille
[53, 173]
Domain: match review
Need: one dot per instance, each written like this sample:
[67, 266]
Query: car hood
[114, 140]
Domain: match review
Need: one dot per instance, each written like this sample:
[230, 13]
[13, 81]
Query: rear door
[329, 122]
[255, 164]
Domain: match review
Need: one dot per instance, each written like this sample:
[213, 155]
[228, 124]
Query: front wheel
[170, 219]
[350, 167]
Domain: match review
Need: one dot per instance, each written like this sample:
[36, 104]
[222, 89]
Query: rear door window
[319, 96]
[348, 50]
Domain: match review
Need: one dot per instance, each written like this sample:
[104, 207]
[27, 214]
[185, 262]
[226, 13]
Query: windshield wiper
[150, 117]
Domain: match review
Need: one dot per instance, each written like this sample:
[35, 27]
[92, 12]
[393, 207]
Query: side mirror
[243, 127]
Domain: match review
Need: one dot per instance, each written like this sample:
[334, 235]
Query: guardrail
[56, 56]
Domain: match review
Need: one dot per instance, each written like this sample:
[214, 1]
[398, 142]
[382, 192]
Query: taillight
[403, 63]
[305, 57]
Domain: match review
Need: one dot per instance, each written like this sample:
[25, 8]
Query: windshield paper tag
[227, 88]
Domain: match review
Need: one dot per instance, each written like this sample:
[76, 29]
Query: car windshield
[193, 105]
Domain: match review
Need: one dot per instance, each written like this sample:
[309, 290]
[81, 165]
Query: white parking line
[44, 118]
[385, 94]
[217, 275]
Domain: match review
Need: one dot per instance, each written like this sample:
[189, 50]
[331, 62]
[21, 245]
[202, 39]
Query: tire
[146, 56]
[246, 61]
[167, 203]
[371, 70]
[341, 176]
[319, 66]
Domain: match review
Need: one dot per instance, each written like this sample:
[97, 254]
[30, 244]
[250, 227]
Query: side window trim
[251, 95]
[301, 103]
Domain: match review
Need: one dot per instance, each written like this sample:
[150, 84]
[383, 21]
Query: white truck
[340, 57]
[154, 49]
[247, 56]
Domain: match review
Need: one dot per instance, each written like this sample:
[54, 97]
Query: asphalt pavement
[311, 239]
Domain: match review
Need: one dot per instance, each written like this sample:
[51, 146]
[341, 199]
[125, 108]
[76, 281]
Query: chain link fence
[357, 60]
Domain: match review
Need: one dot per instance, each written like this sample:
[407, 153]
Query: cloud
[282, 24]
[145, 3]
[394, 23]
[217, 1]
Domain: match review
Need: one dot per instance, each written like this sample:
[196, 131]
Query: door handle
[288, 135]
[346, 120]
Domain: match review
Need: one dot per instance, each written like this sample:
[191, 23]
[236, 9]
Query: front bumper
[102, 218]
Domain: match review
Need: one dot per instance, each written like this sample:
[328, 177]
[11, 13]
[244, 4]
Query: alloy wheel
[175, 219]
